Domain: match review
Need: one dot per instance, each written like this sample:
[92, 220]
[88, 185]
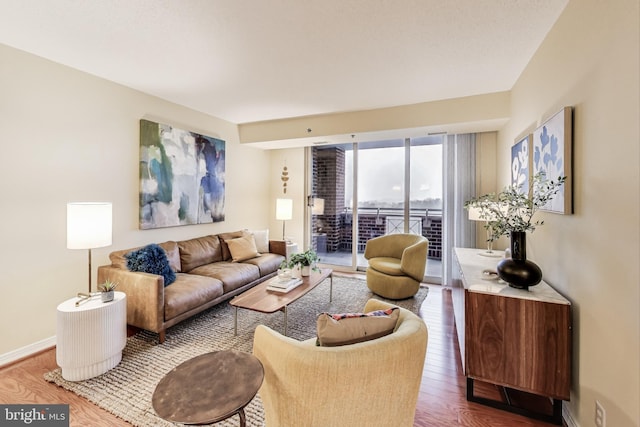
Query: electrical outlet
[601, 415]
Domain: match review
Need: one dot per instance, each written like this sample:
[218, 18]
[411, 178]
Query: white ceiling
[253, 60]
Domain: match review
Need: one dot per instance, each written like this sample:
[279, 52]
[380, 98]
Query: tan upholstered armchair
[396, 264]
[372, 383]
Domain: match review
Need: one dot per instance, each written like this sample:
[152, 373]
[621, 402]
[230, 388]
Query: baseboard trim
[27, 351]
[567, 416]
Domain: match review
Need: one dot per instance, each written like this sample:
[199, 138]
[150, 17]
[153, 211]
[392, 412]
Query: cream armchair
[365, 384]
[396, 264]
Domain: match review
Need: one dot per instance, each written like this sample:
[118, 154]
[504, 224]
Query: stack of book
[284, 285]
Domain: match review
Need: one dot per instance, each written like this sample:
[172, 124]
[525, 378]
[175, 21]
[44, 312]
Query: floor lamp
[89, 226]
[284, 212]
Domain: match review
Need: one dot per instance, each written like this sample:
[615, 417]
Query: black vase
[517, 271]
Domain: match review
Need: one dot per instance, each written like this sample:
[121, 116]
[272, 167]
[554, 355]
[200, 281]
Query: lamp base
[490, 254]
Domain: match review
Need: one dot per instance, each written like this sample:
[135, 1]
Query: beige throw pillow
[350, 328]
[225, 237]
[262, 240]
[242, 248]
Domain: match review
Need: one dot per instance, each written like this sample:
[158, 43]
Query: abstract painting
[552, 143]
[520, 164]
[182, 177]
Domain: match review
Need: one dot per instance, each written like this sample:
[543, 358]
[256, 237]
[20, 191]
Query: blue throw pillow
[151, 259]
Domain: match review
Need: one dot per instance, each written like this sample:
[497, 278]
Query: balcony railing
[378, 221]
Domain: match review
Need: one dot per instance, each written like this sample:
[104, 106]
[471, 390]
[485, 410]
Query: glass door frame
[308, 232]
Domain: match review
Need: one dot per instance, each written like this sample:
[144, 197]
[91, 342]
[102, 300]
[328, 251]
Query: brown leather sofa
[206, 275]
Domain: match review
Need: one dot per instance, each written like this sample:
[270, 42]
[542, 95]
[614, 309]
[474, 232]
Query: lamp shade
[89, 225]
[474, 214]
[318, 206]
[284, 209]
[490, 213]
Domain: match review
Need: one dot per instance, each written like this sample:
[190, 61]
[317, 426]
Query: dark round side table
[209, 388]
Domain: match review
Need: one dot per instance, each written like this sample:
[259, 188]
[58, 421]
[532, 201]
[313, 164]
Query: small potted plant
[107, 290]
[304, 261]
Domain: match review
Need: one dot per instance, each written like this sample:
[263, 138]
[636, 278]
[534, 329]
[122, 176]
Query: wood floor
[441, 403]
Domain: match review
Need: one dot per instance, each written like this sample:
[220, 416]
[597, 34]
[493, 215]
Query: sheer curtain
[459, 157]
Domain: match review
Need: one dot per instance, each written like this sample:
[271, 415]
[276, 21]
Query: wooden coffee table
[259, 298]
[209, 388]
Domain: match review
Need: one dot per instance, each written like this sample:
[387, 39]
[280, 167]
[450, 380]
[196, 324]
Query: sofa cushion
[199, 251]
[387, 265]
[242, 248]
[189, 291]
[226, 254]
[151, 259]
[118, 259]
[233, 275]
[350, 328]
[262, 240]
[267, 263]
[173, 255]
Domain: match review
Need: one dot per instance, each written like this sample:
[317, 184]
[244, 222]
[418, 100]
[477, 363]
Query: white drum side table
[291, 248]
[90, 338]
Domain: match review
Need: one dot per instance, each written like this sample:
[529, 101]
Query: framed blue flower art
[551, 154]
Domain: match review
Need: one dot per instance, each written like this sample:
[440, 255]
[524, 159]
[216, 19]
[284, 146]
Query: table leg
[235, 322]
[331, 287]
[285, 320]
[243, 420]
[556, 418]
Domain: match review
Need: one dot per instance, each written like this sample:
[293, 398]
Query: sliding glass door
[364, 190]
[380, 190]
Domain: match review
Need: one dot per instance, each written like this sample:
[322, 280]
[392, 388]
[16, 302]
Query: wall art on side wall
[182, 177]
[521, 164]
[552, 143]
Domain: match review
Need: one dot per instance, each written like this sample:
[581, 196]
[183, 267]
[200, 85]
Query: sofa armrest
[278, 247]
[145, 296]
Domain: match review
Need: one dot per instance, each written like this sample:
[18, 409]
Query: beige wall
[68, 136]
[486, 180]
[477, 113]
[294, 160]
[590, 61]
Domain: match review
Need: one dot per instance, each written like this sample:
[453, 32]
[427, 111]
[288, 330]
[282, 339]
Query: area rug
[126, 390]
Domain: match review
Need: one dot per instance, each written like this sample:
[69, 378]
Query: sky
[381, 174]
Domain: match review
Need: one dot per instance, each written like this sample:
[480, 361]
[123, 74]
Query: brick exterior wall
[432, 230]
[328, 184]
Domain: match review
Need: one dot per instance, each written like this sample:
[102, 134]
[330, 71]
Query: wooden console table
[514, 338]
